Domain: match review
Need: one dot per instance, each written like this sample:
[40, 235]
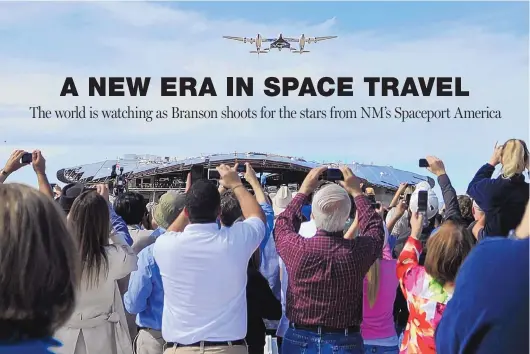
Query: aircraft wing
[291, 39]
[265, 40]
[318, 39]
[241, 39]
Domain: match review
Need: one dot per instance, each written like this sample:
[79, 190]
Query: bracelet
[234, 188]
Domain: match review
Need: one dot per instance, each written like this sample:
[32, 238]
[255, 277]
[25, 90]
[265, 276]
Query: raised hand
[229, 176]
[496, 158]
[38, 162]
[311, 180]
[351, 182]
[103, 190]
[13, 163]
[436, 166]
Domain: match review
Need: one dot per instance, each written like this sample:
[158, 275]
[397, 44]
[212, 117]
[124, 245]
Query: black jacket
[261, 303]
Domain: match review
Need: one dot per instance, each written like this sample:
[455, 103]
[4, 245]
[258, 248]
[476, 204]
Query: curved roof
[384, 176]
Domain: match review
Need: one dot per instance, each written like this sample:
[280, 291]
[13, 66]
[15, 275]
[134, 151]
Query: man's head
[131, 207]
[478, 213]
[331, 208]
[466, 207]
[169, 206]
[230, 208]
[203, 202]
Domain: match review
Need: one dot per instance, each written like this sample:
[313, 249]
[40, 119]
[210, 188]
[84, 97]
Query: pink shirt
[378, 321]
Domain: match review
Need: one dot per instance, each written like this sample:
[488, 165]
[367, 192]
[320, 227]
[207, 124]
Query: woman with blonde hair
[504, 198]
[379, 292]
[430, 287]
[98, 324]
[39, 271]
[378, 328]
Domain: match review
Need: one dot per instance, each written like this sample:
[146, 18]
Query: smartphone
[423, 163]
[197, 172]
[26, 158]
[213, 174]
[333, 174]
[242, 168]
[422, 201]
[377, 205]
[407, 198]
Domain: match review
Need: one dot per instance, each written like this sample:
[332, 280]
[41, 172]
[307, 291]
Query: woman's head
[447, 249]
[89, 221]
[514, 158]
[39, 265]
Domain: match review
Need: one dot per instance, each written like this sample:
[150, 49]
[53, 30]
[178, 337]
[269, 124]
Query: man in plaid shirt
[326, 272]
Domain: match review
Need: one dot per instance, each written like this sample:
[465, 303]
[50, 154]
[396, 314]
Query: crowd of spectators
[218, 268]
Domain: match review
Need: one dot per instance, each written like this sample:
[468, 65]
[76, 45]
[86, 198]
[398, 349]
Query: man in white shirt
[204, 270]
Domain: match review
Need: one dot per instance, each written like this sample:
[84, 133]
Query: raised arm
[482, 187]
[259, 194]
[452, 209]
[397, 195]
[39, 166]
[408, 270]
[249, 205]
[13, 164]
[119, 226]
[288, 241]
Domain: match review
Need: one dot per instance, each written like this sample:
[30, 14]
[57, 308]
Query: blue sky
[486, 43]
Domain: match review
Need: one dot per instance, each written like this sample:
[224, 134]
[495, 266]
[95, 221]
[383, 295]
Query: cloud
[153, 39]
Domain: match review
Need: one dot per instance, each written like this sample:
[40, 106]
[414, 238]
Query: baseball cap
[70, 193]
[168, 209]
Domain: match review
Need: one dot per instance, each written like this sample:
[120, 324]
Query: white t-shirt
[204, 274]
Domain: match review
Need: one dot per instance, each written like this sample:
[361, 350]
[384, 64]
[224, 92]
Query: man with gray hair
[478, 214]
[326, 272]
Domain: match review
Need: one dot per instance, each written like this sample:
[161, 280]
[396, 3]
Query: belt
[147, 329]
[324, 329]
[208, 344]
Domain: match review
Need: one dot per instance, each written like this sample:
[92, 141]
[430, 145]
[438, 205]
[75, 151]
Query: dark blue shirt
[489, 309]
[38, 346]
[503, 200]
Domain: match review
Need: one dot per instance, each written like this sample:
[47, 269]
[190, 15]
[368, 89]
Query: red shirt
[326, 271]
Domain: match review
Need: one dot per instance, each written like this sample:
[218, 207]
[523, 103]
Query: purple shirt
[326, 271]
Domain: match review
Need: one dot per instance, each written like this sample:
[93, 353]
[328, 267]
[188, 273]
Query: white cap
[432, 200]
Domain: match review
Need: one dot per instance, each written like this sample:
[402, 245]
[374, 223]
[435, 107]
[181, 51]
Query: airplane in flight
[280, 42]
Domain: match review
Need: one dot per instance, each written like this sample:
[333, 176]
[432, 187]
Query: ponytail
[373, 281]
[514, 158]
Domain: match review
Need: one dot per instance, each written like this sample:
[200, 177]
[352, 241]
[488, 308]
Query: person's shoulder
[491, 252]
[252, 223]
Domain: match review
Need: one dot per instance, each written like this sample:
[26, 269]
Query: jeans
[378, 349]
[297, 341]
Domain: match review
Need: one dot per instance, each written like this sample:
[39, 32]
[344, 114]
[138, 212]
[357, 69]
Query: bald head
[331, 208]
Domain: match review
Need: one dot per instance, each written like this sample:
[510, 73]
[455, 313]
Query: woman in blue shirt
[38, 270]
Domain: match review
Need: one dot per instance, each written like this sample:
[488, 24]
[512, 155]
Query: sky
[41, 43]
